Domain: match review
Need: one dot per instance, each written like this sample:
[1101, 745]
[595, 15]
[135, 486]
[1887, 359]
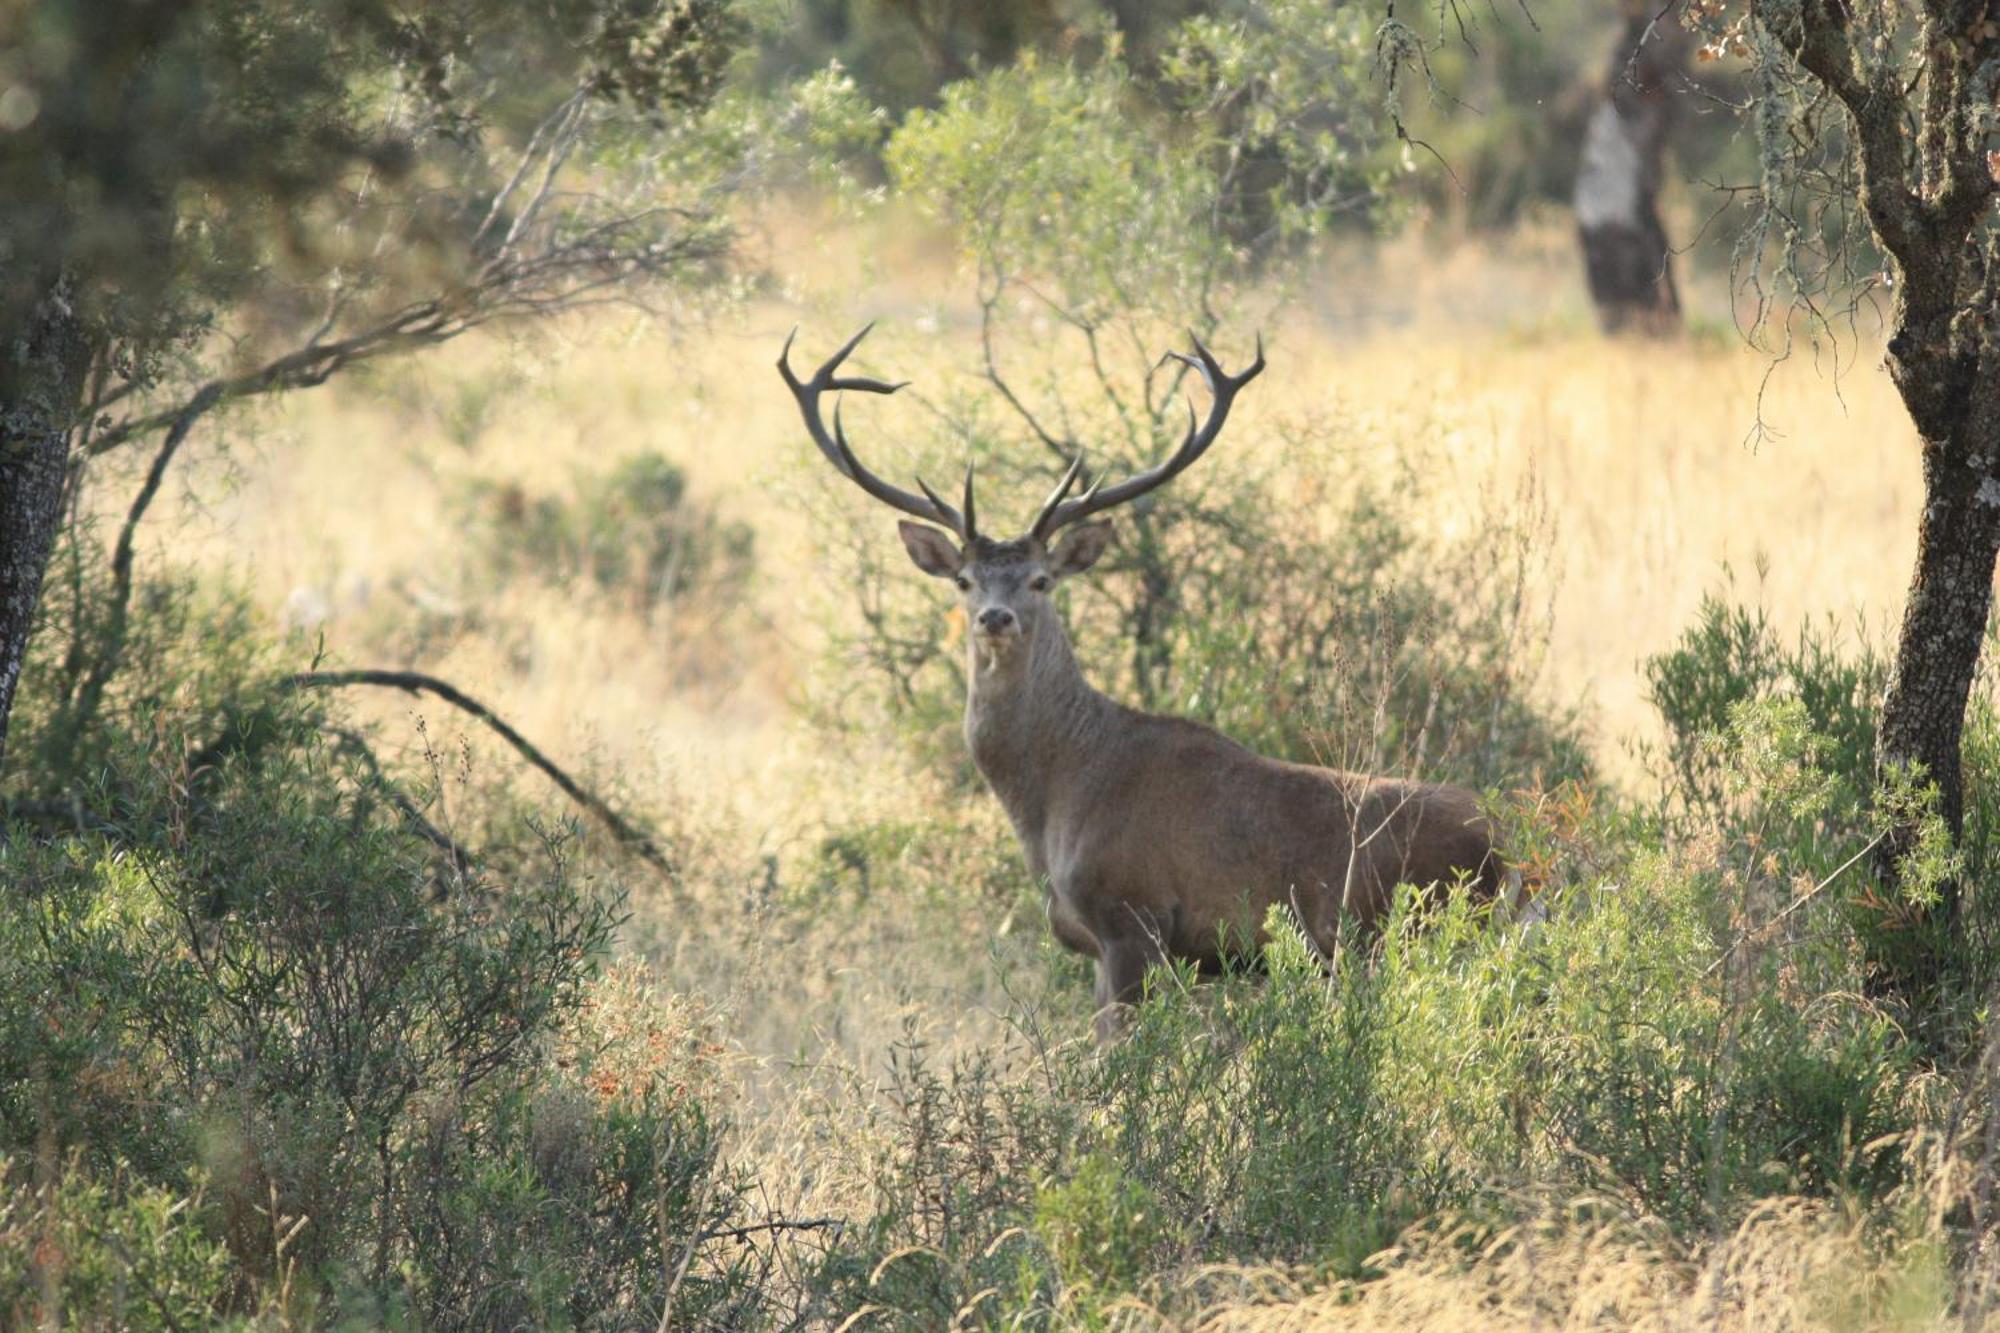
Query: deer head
[1005, 585]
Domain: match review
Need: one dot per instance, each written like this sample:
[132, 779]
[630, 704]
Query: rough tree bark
[1952, 392]
[1625, 253]
[1944, 622]
[42, 372]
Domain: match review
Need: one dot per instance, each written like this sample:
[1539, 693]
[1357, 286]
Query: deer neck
[1030, 718]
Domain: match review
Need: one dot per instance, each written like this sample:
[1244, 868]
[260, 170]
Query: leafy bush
[631, 531]
[1103, 1229]
[1731, 655]
[1769, 748]
[954, 1188]
[1255, 1110]
[560, 1204]
[93, 1251]
[1698, 1079]
[260, 1011]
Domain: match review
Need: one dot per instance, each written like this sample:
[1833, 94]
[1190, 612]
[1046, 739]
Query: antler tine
[834, 443]
[1059, 513]
[971, 524]
[1048, 509]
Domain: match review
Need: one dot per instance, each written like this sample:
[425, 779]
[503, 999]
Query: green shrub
[955, 1184]
[1253, 1106]
[1698, 1082]
[1731, 655]
[103, 1251]
[1769, 750]
[387, 1085]
[1104, 1230]
[632, 532]
[572, 1200]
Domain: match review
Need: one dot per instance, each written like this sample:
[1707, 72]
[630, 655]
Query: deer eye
[964, 583]
[1040, 583]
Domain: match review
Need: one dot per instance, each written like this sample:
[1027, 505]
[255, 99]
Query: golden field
[341, 509]
[1643, 458]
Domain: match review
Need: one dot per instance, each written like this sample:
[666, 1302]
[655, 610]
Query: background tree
[209, 201]
[1627, 259]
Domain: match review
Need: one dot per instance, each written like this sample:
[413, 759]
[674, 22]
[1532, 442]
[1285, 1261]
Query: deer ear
[930, 549]
[1079, 549]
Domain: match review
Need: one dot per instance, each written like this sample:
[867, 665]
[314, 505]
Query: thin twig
[1064, 449]
[1796, 904]
[455, 851]
[634, 838]
[775, 1224]
[687, 1251]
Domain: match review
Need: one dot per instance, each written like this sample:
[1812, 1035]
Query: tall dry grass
[335, 503]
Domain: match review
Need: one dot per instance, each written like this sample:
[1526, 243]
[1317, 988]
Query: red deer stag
[1153, 837]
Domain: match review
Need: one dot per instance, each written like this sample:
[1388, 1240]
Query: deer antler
[834, 444]
[1059, 512]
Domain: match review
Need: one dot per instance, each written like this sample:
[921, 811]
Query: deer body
[1157, 837]
[1154, 837]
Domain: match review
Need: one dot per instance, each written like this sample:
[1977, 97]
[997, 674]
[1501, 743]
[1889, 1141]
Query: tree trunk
[41, 389]
[1625, 253]
[1944, 627]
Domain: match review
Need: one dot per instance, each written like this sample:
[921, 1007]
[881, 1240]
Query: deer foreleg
[1122, 960]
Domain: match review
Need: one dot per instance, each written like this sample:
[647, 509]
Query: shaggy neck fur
[1031, 718]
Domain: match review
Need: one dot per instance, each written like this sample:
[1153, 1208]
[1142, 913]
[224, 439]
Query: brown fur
[1157, 837]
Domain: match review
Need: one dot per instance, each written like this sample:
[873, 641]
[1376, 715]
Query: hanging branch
[111, 650]
[539, 249]
[635, 839]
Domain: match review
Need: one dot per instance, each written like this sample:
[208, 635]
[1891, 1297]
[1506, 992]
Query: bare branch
[111, 648]
[455, 852]
[629, 835]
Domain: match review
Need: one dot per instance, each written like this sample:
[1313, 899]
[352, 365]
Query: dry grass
[336, 507]
[1790, 1265]
[1639, 451]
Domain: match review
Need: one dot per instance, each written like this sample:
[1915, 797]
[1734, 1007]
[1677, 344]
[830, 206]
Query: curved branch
[111, 652]
[635, 839]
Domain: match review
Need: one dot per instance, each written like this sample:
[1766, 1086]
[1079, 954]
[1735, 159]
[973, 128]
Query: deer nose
[996, 620]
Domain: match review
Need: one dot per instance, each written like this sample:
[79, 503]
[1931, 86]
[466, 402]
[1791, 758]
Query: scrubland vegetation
[326, 1012]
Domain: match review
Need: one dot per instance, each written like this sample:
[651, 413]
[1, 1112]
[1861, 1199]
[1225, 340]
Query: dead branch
[773, 1225]
[628, 835]
[577, 273]
[559, 251]
[111, 653]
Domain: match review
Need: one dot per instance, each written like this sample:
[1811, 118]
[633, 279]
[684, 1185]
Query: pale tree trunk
[1625, 252]
[46, 360]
